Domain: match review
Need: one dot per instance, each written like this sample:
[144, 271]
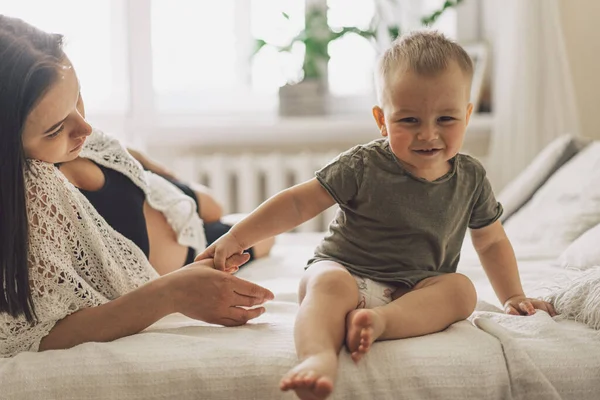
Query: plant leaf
[258, 44]
[394, 31]
[430, 19]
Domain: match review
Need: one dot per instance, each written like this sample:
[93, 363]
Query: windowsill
[180, 132]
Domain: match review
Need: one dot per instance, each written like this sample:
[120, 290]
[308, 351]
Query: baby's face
[426, 117]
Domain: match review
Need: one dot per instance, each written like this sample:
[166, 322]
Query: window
[199, 57]
[93, 42]
[203, 57]
[351, 66]
[194, 54]
[447, 21]
[271, 69]
[350, 71]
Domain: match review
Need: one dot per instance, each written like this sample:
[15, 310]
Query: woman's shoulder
[38, 166]
[40, 173]
[108, 151]
[98, 141]
[45, 192]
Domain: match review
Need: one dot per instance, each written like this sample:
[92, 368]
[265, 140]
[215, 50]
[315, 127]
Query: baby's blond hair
[425, 52]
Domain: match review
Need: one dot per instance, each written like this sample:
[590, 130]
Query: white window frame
[143, 125]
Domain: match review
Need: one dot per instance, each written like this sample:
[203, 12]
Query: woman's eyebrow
[56, 125]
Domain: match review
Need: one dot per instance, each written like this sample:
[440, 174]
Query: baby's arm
[500, 265]
[279, 214]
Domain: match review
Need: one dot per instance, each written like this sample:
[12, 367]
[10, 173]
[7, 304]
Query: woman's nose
[84, 128]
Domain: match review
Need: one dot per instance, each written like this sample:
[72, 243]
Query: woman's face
[56, 129]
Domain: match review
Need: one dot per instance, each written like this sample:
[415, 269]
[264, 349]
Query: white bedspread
[491, 356]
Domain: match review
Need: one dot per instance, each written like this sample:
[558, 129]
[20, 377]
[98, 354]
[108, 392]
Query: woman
[71, 272]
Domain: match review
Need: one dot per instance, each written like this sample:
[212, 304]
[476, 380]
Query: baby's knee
[464, 294]
[330, 280]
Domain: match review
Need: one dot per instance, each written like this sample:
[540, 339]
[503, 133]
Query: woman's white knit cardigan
[76, 260]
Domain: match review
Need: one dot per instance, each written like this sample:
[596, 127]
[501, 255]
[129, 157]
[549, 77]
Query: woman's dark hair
[28, 67]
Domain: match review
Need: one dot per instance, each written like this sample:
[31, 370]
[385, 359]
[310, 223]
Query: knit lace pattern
[75, 259]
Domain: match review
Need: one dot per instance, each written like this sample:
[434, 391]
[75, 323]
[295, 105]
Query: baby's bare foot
[312, 379]
[361, 332]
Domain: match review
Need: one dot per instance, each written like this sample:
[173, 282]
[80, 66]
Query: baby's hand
[223, 252]
[233, 263]
[521, 305]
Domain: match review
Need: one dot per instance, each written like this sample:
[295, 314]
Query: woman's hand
[222, 251]
[215, 297]
[197, 291]
[521, 305]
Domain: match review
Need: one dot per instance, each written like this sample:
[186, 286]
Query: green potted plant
[309, 96]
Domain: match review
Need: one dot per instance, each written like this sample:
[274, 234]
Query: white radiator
[241, 182]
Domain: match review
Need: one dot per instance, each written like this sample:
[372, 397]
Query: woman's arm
[121, 317]
[152, 165]
[197, 291]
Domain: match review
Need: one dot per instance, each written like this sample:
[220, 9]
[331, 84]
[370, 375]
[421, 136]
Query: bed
[489, 356]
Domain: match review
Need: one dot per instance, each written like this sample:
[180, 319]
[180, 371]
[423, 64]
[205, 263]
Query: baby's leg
[431, 306]
[327, 293]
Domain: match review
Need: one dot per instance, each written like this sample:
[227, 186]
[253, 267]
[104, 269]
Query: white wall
[582, 35]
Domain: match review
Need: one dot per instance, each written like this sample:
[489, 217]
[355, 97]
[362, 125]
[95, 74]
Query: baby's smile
[427, 152]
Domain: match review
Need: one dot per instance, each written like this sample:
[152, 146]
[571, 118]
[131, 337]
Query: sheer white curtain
[534, 100]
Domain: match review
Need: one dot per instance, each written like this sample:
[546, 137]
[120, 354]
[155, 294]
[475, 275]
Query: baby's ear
[380, 120]
[469, 112]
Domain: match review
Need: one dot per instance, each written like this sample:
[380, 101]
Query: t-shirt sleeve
[342, 177]
[486, 209]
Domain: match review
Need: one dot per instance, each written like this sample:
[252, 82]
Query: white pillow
[520, 190]
[566, 206]
[584, 252]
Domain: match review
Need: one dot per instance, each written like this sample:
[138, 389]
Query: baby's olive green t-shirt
[395, 227]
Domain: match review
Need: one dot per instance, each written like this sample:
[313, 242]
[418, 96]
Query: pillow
[566, 206]
[584, 252]
[519, 191]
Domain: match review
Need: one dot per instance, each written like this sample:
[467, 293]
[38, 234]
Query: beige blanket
[491, 356]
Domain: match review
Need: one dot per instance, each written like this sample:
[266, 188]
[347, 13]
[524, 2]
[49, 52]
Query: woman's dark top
[121, 203]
